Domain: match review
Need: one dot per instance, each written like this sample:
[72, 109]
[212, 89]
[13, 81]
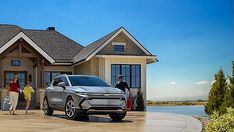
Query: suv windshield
[87, 81]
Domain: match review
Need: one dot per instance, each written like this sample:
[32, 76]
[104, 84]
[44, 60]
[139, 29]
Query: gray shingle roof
[7, 32]
[58, 46]
[88, 50]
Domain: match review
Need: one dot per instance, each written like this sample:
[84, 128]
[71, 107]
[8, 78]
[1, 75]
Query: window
[60, 79]
[131, 74]
[119, 48]
[64, 79]
[87, 81]
[15, 62]
[135, 75]
[50, 75]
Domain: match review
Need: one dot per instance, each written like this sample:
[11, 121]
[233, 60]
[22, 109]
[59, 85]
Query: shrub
[140, 101]
[223, 123]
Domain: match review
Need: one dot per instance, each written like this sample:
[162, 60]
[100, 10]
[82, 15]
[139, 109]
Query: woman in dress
[13, 93]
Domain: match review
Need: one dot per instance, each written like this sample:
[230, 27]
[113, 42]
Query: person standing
[122, 85]
[13, 92]
[27, 95]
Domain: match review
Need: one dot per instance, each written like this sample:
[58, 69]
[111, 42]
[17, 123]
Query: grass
[175, 103]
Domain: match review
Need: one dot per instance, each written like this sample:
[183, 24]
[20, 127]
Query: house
[40, 55]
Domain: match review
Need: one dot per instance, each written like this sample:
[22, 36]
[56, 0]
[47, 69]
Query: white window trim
[118, 43]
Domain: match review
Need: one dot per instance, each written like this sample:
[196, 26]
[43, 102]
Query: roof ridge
[105, 38]
[69, 39]
[106, 35]
[34, 29]
[9, 25]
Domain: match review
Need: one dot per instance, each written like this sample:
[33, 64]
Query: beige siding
[129, 49]
[83, 69]
[26, 65]
[105, 72]
[94, 66]
[90, 67]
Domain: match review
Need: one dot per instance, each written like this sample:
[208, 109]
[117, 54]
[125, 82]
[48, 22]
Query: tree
[228, 100]
[140, 101]
[231, 86]
[216, 94]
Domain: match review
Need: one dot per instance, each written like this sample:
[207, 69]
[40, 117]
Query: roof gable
[29, 41]
[93, 48]
[130, 48]
[59, 47]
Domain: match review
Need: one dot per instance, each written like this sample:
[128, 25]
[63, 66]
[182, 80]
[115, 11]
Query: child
[27, 95]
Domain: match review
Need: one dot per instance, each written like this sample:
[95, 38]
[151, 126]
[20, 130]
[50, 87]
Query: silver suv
[81, 95]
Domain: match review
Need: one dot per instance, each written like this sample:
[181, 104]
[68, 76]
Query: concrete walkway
[133, 122]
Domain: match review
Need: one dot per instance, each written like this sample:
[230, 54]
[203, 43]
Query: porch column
[38, 68]
[42, 72]
[1, 75]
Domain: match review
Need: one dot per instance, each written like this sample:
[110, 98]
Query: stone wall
[3, 93]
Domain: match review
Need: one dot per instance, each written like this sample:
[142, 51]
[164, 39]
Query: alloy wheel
[70, 110]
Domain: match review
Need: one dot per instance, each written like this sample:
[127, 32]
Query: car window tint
[87, 81]
[64, 79]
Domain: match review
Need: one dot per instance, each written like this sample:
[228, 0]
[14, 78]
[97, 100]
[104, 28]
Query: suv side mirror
[62, 84]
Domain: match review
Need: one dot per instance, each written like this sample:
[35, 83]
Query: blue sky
[192, 39]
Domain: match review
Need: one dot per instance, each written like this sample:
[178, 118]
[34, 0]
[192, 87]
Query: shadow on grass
[93, 118]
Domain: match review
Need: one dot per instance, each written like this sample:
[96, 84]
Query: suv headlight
[80, 93]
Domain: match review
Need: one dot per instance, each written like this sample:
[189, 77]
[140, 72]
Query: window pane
[115, 71]
[64, 80]
[119, 48]
[87, 81]
[138, 82]
[15, 62]
[135, 76]
[47, 78]
[133, 71]
[137, 70]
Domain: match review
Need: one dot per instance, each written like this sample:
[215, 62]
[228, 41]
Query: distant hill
[193, 98]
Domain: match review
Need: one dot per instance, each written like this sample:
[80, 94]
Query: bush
[140, 101]
[223, 123]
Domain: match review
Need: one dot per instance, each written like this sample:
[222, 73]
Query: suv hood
[94, 89]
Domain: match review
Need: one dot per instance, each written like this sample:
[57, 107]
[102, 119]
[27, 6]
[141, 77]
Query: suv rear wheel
[70, 111]
[46, 108]
[117, 116]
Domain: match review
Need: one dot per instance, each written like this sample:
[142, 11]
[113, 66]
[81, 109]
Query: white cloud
[173, 83]
[201, 82]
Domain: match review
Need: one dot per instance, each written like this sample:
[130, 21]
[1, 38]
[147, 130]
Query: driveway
[133, 122]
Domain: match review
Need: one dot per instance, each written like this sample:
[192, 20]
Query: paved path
[133, 122]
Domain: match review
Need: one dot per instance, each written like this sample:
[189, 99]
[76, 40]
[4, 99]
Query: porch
[22, 59]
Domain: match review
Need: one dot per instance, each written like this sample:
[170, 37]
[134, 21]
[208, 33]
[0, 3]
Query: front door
[22, 75]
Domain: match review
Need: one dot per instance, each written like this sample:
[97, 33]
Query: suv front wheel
[117, 116]
[70, 111]
[46, 108]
